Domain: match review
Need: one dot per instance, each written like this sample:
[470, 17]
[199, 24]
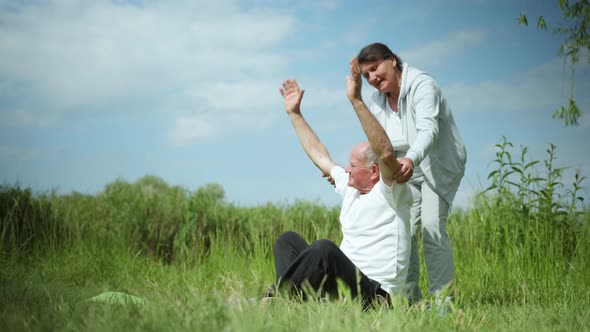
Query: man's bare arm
[315, 150]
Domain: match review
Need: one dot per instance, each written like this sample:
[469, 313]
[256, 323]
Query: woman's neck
[393, 96]
[392, 100]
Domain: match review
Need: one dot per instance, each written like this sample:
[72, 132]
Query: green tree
[576, 14]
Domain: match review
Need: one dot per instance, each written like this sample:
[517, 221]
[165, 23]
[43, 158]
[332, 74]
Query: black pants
[319, 266]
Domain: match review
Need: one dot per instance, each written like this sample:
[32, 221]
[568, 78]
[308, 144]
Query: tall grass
[521, 258]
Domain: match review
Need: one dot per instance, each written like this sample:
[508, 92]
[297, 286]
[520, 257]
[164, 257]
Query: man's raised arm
[388, 164]
[315, 150]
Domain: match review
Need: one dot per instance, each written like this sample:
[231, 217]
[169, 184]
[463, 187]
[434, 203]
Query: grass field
[200, 263]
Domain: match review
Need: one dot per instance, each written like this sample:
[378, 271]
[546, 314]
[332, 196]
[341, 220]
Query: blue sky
[94, 91]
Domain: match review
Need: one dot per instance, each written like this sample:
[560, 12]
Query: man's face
[359, 174]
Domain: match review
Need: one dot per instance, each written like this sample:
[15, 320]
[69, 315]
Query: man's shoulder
[397, 195]
[338, 173]
[340, 177]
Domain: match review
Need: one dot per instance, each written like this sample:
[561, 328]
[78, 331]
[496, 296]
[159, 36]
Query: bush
[27, 221]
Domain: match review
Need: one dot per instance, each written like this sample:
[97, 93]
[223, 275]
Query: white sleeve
[340, 179]
[398, 195]
[427, 103]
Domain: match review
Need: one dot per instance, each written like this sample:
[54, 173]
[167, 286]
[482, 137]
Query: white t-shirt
[376, 234]
[394, 129]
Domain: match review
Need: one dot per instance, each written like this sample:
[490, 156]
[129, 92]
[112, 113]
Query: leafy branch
[577, 38]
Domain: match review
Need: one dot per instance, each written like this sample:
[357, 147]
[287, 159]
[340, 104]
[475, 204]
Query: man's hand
[292, 95]
[354, 82]
[405, 172]
[329, 178]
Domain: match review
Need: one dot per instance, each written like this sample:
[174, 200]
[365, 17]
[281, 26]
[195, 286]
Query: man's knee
[324, 246]
[286, 236]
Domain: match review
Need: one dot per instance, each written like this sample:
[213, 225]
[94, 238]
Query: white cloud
[544, 87]
[440, 51]
[319, 95]
[11, 153]
[223, 107]
[330, 4]
[60, 57]
[189, 127]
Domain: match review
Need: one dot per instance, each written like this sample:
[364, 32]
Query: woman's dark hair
[378, 51]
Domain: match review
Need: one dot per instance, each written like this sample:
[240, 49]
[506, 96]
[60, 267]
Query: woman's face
[380, 74]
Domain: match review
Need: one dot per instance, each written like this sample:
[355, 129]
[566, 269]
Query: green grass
[48, 291]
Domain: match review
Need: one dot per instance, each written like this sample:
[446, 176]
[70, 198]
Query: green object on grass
[117, 298]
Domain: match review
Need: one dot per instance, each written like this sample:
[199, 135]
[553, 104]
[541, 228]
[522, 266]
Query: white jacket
[428, 125]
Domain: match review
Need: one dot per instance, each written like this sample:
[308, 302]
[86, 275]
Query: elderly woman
[411, 107]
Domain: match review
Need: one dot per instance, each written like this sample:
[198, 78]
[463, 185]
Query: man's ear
[375, 169]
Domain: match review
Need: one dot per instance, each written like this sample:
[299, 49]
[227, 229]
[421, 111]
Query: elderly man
[374, 255]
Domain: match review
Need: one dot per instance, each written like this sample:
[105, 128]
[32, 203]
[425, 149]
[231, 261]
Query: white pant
[431, 211]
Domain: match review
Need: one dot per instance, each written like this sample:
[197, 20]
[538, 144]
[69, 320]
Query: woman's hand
[354, 81]
[405, 172]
